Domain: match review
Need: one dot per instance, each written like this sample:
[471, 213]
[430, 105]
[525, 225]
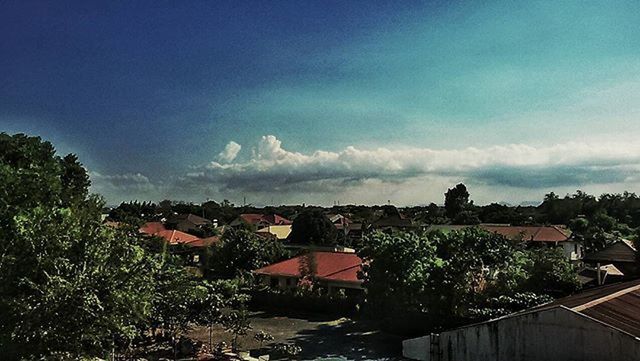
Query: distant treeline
[622, 208]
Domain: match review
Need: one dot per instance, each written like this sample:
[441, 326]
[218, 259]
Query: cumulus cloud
[274, 168]
[513, 172]
[230, 152]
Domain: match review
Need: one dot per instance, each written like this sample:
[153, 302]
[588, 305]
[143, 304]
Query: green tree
[550, 272]
[68, 284]
[313, 227]
[237, 323]
[240, 251]
[399, 271]
[75, 180]
[209, 307]
[458, 277]
[456, 200]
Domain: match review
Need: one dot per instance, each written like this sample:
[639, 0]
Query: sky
[325, 102]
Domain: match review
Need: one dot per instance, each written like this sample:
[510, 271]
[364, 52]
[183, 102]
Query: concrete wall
[417, 348]
[572, 250]
[555, 334]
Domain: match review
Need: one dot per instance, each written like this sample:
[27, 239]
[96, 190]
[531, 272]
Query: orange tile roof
[333, 266]
[532, 233]
[177, 237]
[152, 227]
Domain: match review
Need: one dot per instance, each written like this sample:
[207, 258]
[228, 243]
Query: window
[274, 282]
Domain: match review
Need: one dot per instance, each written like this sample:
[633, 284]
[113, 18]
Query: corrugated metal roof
[617, 305]
[621, 251]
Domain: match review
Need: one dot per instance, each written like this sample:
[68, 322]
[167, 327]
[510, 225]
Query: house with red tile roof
[550, 236]
[176, 237]
[331, 270]
[189, 223]
[152, 227]
[260, 220]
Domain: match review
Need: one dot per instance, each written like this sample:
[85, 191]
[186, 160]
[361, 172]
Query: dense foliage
[313, 227]
[459, 276]
[68, 284]
[240, 251]
[456, 201]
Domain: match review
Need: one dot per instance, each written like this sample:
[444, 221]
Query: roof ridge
[560, 229]
[535, 233]
[606, 298]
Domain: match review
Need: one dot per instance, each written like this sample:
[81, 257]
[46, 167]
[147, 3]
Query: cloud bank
[273, 168]
[371, 175]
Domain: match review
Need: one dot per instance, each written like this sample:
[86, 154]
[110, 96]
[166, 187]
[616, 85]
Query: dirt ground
[320, 337]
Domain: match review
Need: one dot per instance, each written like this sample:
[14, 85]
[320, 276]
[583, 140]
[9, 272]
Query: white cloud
[513, 173]
[230, 152]
[273, 168]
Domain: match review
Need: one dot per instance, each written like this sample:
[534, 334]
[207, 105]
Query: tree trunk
[210, 343]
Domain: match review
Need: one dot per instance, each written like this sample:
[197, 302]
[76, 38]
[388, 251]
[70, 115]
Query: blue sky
[350, 101]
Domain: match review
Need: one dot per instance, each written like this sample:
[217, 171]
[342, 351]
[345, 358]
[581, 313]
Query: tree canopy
[70, 286]
[457, 206]
[457, 277]
[241, 251]
[313, 227]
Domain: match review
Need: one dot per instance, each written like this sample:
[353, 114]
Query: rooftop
[175, 237]
[273, 219]
[525, 233]
[620, 251]
[617, 305]
[197, 220]
[332, 266]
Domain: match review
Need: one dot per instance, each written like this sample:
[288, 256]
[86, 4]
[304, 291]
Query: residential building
[260, 220]
[621, 254]
[189, 223]
[152, 227]
[550, 236]
[344, 225]
[280, 232]
[332, 270]
[590, 276]
[602, 323]
[394, 221]
[176, 237]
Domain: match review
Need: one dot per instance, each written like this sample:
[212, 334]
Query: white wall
[416, 348]
[555, 334]
[569, 249]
